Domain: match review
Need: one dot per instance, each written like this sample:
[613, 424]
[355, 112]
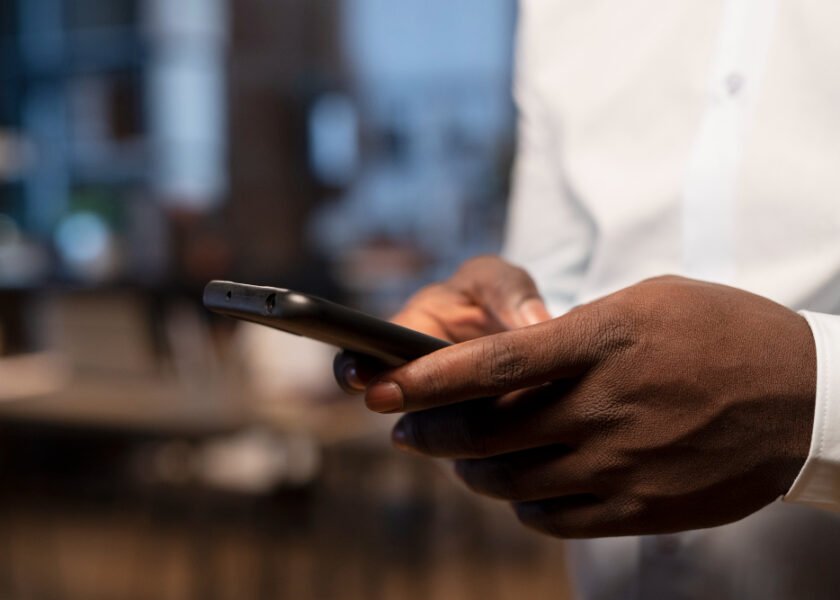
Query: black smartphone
[319, 319]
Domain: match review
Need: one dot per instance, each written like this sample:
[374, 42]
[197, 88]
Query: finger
[537, 474]
[354, 371]
[504, 290]
[446, 312]
[488, 427]
[568, 517]
[487, 367]
[583, 516]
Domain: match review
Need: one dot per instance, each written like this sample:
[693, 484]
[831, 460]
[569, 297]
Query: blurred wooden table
[76, 522]
[376, 526]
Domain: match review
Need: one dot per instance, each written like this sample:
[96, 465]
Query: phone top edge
[222, 286]
[301, 314]
[242, 300]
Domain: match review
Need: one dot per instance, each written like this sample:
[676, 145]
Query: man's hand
[670, 405]
[487, 295]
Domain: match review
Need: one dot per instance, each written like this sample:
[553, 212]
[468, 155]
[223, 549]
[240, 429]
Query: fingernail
[399, 436]
[384, 397]
[533, 311]
[352, 379]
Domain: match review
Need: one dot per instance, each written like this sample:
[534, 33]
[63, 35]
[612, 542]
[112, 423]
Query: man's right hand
[486, 295]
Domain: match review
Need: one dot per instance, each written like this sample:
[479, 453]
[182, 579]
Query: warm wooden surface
[375, 526]
[75, 523]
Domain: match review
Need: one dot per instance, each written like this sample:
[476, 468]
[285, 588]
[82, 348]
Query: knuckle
[633, 507]
[603, 413]
[425, 294]
[490, 478]
[493, 273]
[611, 472]
[536, 516]
[447, 432]
[566, 517]
[503, 367]
[470, 428]
[512, 281]
[515, 277]
[613, 327]
[477, 265]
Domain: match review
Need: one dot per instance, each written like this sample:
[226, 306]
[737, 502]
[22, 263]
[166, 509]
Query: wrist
[800, 402]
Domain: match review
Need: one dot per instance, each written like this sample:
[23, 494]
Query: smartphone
[319, 319]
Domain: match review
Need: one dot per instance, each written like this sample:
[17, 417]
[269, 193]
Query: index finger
[485, 367]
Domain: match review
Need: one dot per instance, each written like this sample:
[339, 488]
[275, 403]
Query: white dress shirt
[698, 137]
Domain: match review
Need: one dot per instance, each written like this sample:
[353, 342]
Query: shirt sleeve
[818, 483]
[548, 232]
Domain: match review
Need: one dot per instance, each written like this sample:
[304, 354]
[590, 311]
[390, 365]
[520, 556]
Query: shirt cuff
[818, 483]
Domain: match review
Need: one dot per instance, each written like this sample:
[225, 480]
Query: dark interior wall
[282, 53]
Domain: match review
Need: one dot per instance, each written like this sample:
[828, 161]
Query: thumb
[506, 291]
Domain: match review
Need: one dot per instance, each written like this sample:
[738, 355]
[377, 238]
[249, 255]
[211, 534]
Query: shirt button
[733, 83]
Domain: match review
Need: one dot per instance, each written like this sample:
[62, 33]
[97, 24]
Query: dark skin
[670, 405]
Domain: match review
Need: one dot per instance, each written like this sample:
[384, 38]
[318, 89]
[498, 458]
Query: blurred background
[355, 149]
